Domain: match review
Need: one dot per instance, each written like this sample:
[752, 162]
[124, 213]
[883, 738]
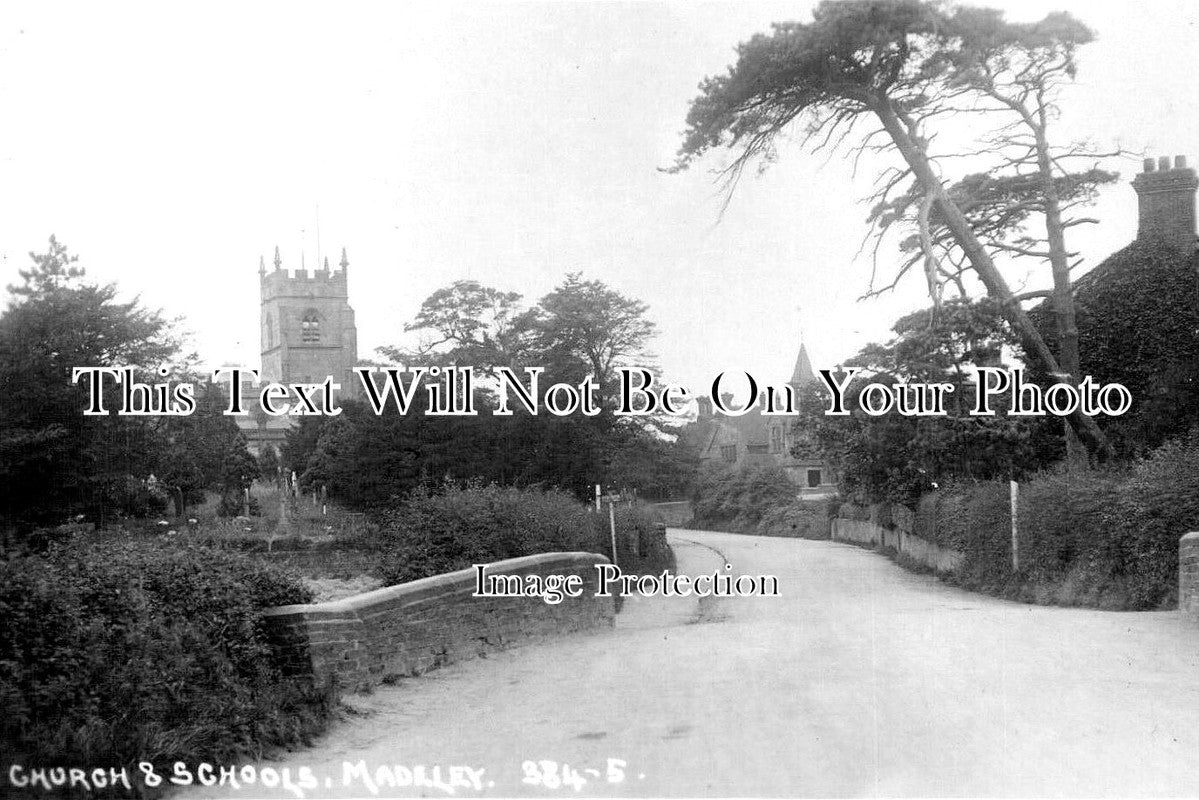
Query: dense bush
[802, 519]
[433, 532]
[133, 498]
[113, 653]
[1097, 538]
[1138, 325]
[736, 500]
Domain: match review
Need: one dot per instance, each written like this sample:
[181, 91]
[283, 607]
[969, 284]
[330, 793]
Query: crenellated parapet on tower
[308, 329]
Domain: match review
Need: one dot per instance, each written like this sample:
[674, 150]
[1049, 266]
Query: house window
[729, 452]
[776, 440]
[756, 449]
[310, 328]
[813, 478]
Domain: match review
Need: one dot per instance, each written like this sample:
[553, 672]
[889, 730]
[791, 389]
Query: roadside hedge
[737, 499]
[800, 519]
[431, 532]
[1106, 539]
[116, 653]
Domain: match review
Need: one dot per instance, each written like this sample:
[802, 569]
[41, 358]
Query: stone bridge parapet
[403, 630]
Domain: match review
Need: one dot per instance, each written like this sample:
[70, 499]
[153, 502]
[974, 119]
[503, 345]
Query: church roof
[802, 374]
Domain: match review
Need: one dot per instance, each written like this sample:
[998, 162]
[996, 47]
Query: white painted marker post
[1015, 491]
[612, 528]
[597, 498]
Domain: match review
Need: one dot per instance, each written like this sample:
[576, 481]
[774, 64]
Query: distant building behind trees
[756, 438]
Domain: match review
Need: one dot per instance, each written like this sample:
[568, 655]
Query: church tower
[308, 330]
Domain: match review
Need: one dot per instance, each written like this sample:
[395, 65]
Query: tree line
[582, 328]
[55, 462]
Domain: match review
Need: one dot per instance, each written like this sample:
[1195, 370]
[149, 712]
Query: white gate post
[1015, 492]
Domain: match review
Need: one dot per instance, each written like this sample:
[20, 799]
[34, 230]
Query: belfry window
[310, 328]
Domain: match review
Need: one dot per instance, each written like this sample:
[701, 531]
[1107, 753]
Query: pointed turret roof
[802, 373]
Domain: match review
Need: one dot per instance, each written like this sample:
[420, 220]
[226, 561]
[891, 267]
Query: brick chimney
[1166, 200]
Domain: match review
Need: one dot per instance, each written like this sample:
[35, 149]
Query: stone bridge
[859, 679]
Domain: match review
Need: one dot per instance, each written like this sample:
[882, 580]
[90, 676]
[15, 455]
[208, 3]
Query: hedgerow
[1107, 539]
[117, 653]
[736, 500]
[801, 519]
[451, 527]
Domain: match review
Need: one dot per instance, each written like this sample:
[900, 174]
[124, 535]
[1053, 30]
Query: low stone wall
[857, 531]
[942, 559]
[411, 628]
[892, 526]
[1188, 576]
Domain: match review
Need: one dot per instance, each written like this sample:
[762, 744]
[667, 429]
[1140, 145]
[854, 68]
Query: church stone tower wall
[308, 329]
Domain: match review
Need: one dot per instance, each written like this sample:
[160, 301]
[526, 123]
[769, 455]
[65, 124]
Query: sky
[172, 145]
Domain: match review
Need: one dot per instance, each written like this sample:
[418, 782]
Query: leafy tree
[53, 270]
[268, 463]
[194, 448]
[586, 326]
[363, 462]
[659, 468]
[1020, 68]
[901, 65]
[54, 461]
[941, 344]
[470, 324]
[239, 469]
[896, 457]
[300, 443]
[581, 328]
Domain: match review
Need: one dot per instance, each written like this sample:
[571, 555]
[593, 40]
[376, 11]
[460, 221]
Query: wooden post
[1015, 493]
[597, 498]
[612, 529]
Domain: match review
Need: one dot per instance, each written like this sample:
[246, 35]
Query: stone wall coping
[432, 586]
[1189, 538]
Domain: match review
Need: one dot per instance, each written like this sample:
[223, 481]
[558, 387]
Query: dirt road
[861, 679]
